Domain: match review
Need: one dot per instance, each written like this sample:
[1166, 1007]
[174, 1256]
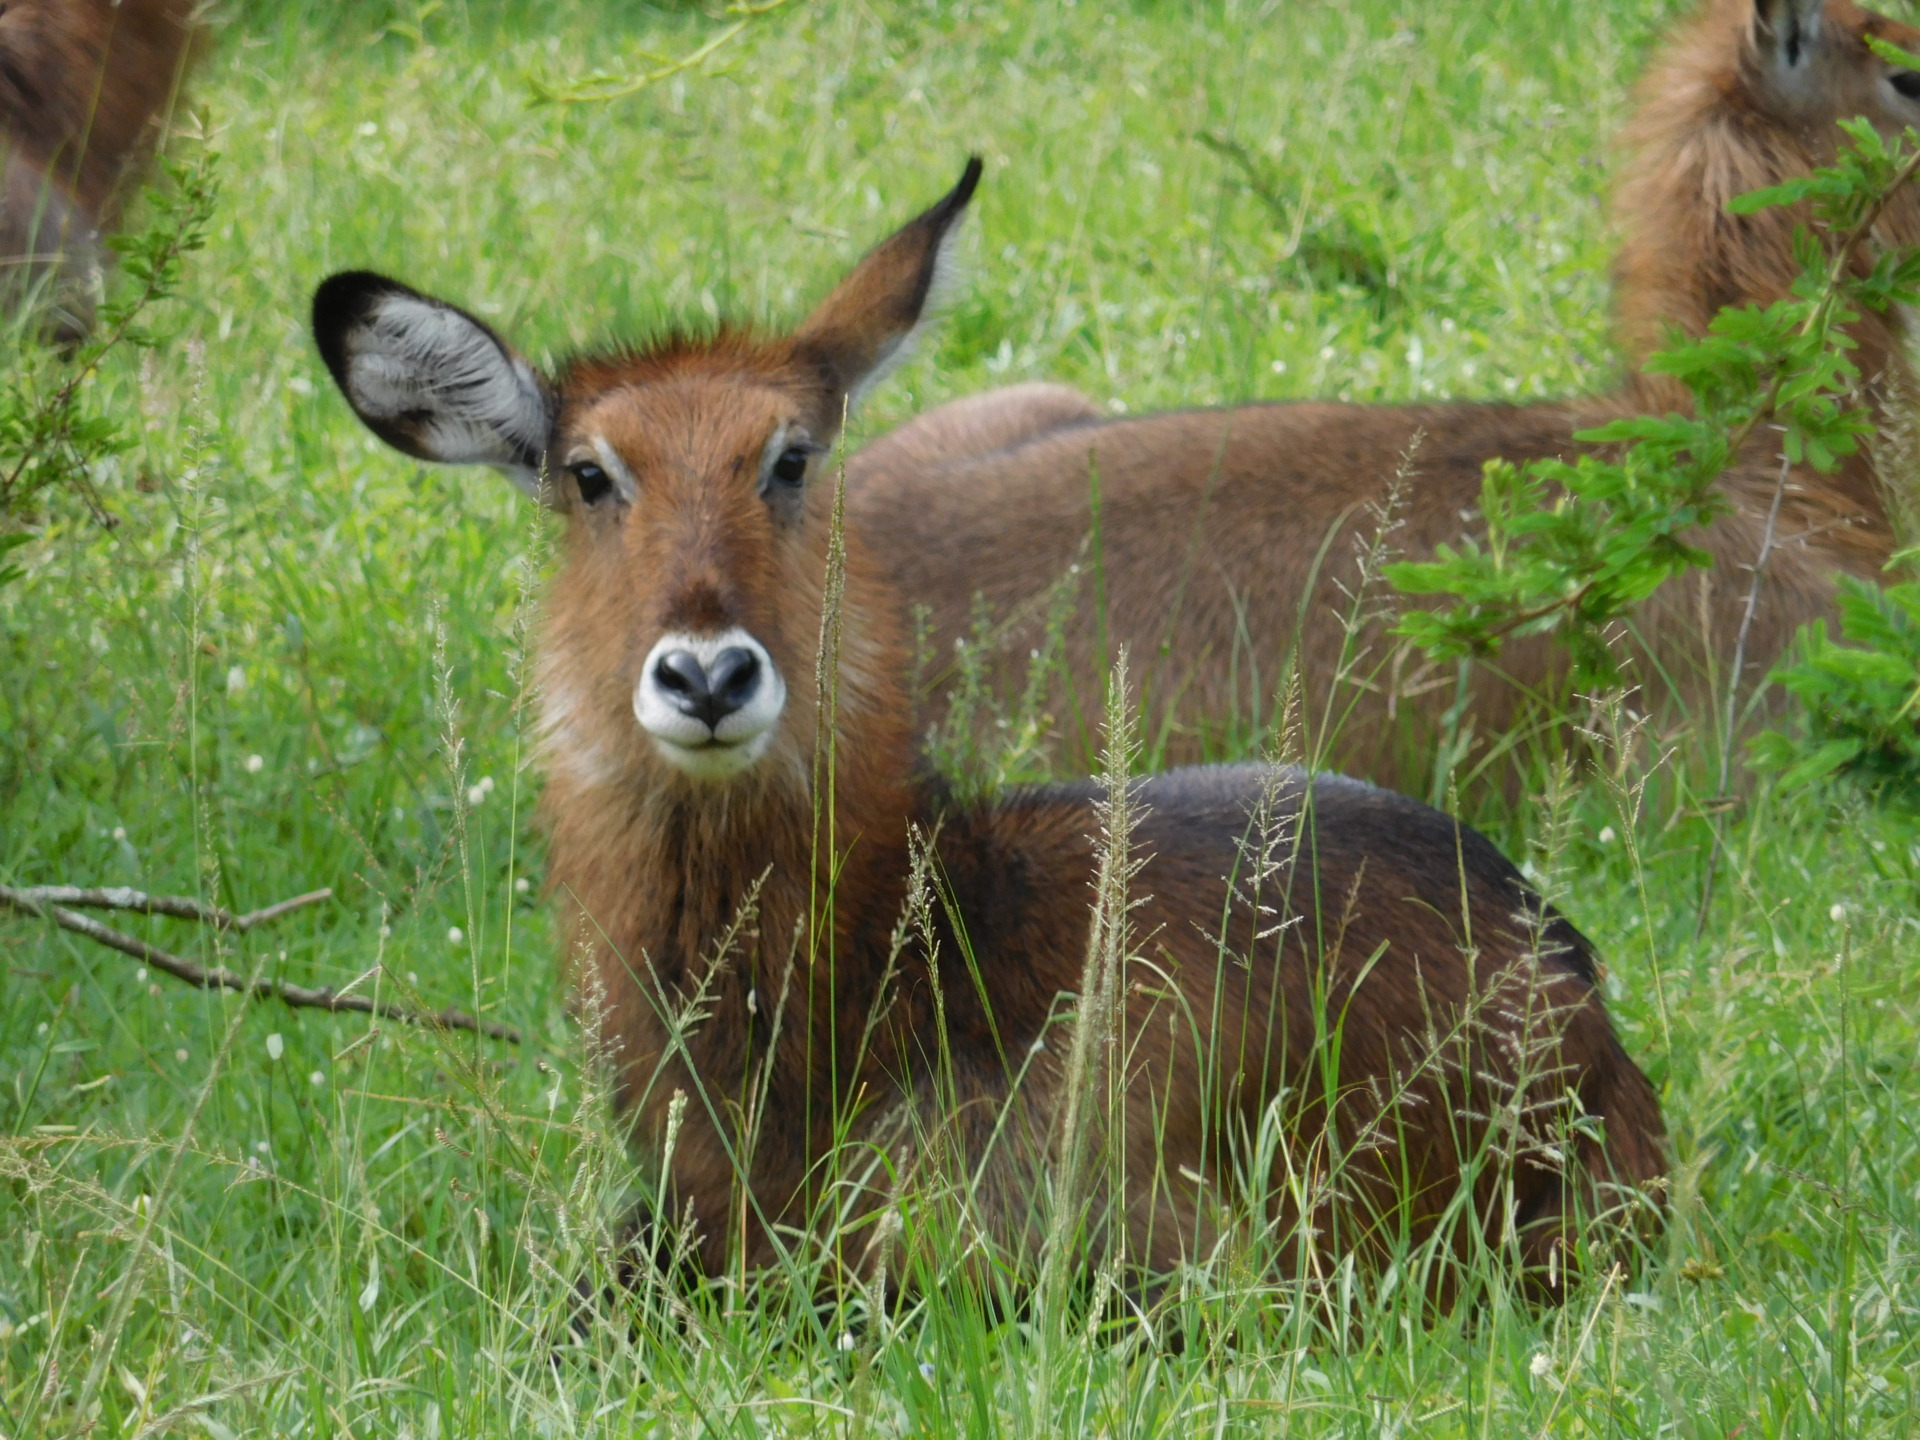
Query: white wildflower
[276, 1047]
[255, 764]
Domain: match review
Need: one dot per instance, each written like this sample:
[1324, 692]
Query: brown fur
[1230, 539]
[1467, 1012]
[83, 86]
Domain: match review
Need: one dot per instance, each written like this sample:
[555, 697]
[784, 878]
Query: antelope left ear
[870, 322]
[430, 379]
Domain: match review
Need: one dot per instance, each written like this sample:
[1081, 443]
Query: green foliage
[53, 436]
[1569, 549]
[391, 1248]
[1861, 699]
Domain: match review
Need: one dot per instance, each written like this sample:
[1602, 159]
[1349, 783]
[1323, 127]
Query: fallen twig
[181, 907]
[45, 903]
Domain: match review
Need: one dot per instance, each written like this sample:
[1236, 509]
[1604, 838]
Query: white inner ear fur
[941, 287]
[466, 400]
[611, 462]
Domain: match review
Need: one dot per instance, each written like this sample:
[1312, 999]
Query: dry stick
[181, 907]
[1733, 686]
[39, 904]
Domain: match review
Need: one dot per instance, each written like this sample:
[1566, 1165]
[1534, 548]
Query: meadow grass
[368, 1230]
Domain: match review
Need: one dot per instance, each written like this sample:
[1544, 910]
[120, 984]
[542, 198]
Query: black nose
[708, 695]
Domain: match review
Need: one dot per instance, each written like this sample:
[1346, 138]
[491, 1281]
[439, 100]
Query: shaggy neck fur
[654, 868]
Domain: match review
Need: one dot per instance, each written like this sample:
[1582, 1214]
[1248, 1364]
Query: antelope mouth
[710, 703]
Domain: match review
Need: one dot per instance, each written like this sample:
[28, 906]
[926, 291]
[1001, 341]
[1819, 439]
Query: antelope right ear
[870, 322]
[429, 379]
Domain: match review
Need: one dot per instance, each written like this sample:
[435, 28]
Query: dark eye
[1907, 82]
[791, 467]
[595, 484]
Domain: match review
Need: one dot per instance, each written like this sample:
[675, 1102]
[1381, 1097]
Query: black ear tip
[969, 181]
[345, 295]
[955, 200]
[341, 299]
[340, 302]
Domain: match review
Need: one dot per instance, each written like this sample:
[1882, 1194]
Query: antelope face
[1816, 66]
[688, 611]
[1813, 67]
[696, 537]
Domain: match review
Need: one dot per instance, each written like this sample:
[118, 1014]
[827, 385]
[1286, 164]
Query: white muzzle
[710, 702]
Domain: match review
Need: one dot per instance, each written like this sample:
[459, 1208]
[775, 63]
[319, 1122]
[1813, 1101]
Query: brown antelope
[1229, 538]
[83, 85]
[687, 786]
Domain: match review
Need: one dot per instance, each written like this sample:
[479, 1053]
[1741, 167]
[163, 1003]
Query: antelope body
[692, 780]
[83, 84]
[1230, 540]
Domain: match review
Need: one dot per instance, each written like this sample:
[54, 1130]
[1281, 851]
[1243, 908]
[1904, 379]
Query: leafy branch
[1571, 548]
[1861, 700]
[50, 437]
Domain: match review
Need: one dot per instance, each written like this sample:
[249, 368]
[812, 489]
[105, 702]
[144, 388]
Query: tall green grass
[369, 1230]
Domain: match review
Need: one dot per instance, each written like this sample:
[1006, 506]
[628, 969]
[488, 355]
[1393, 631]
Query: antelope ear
[431, 380]
[1787, 33]
[869, 324]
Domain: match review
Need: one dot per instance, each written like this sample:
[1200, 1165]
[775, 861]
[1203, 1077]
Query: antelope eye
[791, 467]
[1907, 82]
[595, 484]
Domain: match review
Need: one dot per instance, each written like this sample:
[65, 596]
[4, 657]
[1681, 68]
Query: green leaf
[1890, 52]
[1821, 762]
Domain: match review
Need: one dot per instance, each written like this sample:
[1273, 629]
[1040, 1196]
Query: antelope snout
[710, 702]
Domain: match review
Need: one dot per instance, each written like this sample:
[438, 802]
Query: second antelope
[83, 85]
[1230, 538]
[1320, 964]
